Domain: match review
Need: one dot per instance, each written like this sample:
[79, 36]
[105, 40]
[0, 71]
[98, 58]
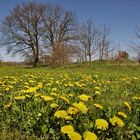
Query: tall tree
[136, 46]
[104, 43]
[60, 29]
[89, 37]
[21, 31]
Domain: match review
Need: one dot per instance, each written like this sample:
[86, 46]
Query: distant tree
[138, 57]
[121, 56]
[21, 30]
[0, 59]
[89, 37]
[60, 28]
[104, 43]
[136, 47]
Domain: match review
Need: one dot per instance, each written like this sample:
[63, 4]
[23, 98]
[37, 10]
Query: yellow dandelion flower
[28, 96]
[97, 92]
[84, 97]
[54, 94]
[97, 88]
[101, 124]
[70, 85]
[62, 114]
[136, 97]
[7, 105]
[40, 85]
[47, 98]
[90, 136]
[54, 89]
[37, 95]
[122, 114]
[116, 121]
[31, 81]
[128, 105]
[74, 136]
[49, 84]
[32, 89]
[67, 129]
[7, 89]
[20, 97]
[65, 99]
[57, 82]
[70, 95]
[39, 114]
[65, 85]
[54, 105]
[98, 106]
[81, 106]
[73, 110]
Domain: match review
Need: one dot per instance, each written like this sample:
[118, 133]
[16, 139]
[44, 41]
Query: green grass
[118, 83]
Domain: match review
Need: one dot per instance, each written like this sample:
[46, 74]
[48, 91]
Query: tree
[104, 43]
[136, 47]
[60, 30]
[121, 56]
[21, 31]
[89, 37]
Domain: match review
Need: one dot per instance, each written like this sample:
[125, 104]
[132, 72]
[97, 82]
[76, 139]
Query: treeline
[49, 34]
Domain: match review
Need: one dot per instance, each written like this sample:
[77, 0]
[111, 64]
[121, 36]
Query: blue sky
[121, 15]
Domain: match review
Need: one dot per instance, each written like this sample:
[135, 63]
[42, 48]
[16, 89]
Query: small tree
[89, 37]
[121, 56]
[104, 43]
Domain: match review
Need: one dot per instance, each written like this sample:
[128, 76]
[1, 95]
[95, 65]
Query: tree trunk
[35, 57]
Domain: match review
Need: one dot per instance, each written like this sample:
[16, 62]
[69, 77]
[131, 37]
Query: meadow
[76, 103]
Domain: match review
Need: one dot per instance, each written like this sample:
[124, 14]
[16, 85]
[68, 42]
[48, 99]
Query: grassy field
[89, 103]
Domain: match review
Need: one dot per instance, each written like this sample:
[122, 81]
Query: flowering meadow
[69, 105]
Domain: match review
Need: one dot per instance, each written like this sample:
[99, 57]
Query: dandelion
[62, 114]
[32, 89]
[101, 124]
[7, 89]
[67, 129]
[70, 95]
[122, 114]
[136, 97]
[40, 85]
[74, 136]
[116, 121]
[39, 114]
[97, 92]
[128, 105]
[70, 85]
[54, 94]
[81, 106]
[73, 110]
[90, 136]
[54, 89]
[54, 105]
[97, 88]
[47, 98]
[98, 106]
[65, 99]
[84, 97]
[7, 105]
[20, 97]
[37, 95]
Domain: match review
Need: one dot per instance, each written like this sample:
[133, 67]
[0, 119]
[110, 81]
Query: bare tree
[89, 37]
[104, 43]
[60, 28]
[136, 46]
[22, 30]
